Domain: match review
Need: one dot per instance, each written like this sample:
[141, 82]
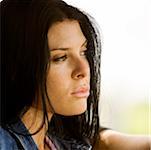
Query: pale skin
[68, 84]
[113, 140]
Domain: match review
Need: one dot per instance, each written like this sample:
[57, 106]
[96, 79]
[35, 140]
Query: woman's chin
[74, 112]
[78, 113]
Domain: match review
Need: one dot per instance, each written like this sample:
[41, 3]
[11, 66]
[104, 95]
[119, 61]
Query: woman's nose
[80, 69]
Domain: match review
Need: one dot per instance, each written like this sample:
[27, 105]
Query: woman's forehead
[65, 34]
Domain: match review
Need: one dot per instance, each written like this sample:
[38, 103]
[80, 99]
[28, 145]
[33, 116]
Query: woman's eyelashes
[64, 57]
[59, 58]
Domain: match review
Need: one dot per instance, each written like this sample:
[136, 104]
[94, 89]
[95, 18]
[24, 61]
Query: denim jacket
[11, 140]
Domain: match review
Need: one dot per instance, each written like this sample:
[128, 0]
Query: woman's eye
[59, 59]
[83, 53]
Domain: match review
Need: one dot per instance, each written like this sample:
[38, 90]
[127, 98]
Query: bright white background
[126, 61]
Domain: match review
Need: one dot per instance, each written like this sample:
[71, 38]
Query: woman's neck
[33, 119]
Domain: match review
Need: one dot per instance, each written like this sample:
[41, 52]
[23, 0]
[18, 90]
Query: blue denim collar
[19, 130]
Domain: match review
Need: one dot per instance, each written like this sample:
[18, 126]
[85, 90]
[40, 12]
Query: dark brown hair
[25, 58]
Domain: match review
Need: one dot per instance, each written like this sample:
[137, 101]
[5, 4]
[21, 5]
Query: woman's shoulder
[6, 140]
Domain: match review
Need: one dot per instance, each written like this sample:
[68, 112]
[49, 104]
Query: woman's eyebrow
[84, 44]
[65, 49]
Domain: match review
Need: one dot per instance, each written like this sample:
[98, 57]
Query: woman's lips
[81, 92]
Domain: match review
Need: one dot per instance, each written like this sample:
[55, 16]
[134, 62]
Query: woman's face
[68, 81]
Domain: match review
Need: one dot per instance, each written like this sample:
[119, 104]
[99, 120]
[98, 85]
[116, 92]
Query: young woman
[51, 78]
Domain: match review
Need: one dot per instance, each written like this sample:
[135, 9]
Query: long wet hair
[26, 57]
